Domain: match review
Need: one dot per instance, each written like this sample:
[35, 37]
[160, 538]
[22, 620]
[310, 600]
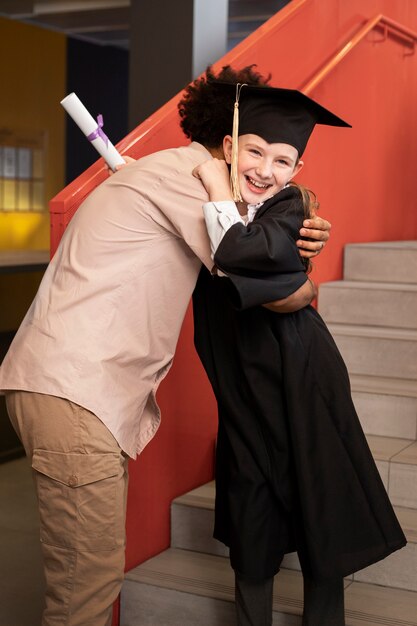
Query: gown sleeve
[262, 260]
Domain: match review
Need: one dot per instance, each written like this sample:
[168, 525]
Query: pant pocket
[77, 498]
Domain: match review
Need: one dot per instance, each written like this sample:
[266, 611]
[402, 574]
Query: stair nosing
[282, 603]
[383, 385]
[368, 284]
[372, 332]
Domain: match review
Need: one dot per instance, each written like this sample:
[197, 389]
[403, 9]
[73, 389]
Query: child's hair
[310, 206]
[206, 111]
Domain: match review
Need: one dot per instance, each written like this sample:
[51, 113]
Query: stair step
[386, 406]
[387, 415]
[377, 351]
[192, 521]
[191, 500]
[396, 460]
[387, 261]
[371, 304]
[192, 528]
[383, 385]
[184, 588]
[397, 570]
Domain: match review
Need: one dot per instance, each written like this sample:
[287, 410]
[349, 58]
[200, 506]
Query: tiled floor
[21, 579]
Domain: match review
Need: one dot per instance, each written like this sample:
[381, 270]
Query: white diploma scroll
[92, 129]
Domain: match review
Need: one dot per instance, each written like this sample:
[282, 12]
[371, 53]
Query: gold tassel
[234, 181]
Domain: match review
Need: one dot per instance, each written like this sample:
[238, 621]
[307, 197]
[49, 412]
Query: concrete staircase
[372, 315]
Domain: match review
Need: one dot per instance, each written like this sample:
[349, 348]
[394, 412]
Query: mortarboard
[275, 114]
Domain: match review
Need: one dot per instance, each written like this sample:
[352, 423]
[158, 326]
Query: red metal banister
[378, 21]
[140, 140]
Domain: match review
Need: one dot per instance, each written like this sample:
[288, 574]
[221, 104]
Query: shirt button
[73, 480]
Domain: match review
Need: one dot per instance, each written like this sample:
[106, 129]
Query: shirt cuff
[220, 216]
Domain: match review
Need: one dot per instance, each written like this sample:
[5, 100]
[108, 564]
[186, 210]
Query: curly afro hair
[206, 113]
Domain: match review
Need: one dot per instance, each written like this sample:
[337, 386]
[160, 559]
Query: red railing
[142, 139]
[379, 21]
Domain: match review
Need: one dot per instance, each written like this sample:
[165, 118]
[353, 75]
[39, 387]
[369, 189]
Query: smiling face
[263, 168]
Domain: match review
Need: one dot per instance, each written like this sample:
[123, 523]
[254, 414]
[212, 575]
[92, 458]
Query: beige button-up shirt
[103, 327]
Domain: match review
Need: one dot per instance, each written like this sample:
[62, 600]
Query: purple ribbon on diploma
[99, 131]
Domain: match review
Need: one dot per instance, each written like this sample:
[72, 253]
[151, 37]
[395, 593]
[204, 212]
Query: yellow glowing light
[9, 195]
[23, 195]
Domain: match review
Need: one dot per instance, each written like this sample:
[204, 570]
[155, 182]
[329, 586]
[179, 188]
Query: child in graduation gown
[293, 468]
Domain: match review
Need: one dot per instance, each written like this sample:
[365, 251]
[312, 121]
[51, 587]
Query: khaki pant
[80, 475]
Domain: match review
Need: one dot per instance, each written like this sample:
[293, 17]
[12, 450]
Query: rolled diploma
[87, 124]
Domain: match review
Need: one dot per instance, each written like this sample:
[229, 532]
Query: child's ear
[297, 169]
[227, 149]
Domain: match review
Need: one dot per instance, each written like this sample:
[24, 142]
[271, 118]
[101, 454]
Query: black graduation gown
[293, 468]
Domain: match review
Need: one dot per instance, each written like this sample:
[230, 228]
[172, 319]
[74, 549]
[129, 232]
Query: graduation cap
[277, 115]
